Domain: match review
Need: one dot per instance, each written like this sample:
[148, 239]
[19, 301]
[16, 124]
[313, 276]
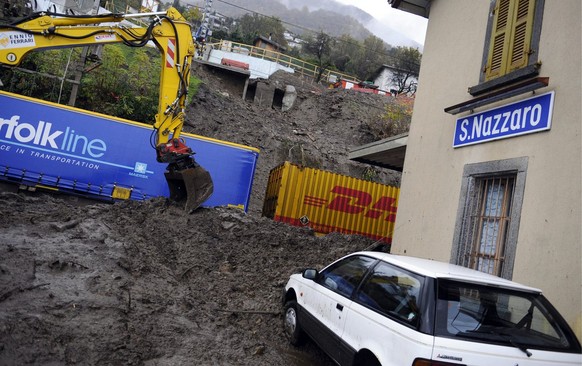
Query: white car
[372, 308]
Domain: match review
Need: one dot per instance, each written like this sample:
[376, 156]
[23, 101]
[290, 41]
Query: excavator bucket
[192, 184]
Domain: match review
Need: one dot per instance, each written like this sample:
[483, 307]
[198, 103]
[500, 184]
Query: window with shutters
[512, 42]
[509, 47]
[488, 218]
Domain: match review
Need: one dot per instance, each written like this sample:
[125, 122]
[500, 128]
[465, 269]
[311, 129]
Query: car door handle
[340, 307]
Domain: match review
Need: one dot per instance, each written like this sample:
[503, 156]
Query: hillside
[333, 18]
[329, 16]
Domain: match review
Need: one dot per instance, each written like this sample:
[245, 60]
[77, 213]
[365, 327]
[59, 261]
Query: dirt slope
[143, 283]
[320, 129]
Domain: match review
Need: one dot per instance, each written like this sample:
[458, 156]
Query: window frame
[522, 73]
[325, 274]
[420, 301]
[471, 172]
[490, 227]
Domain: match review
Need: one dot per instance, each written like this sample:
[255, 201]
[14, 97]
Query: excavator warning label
[171, 50]
[105, 38]
[16, 40]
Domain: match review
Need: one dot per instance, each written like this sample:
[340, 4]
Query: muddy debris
[145, 283]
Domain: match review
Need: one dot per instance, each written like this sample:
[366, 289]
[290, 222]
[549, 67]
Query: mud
[145, 283]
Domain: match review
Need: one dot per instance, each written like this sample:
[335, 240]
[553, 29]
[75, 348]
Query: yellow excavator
[172, 36]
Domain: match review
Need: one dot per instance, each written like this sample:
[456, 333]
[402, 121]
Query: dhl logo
[352, 201]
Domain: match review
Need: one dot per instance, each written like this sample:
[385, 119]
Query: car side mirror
[310, 274]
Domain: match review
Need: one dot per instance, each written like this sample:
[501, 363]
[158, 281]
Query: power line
[267, 16]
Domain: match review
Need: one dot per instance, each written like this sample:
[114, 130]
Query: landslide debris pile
[318, 132]
[144, 283]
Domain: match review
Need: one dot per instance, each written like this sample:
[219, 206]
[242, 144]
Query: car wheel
[291, 324]
[366, 359]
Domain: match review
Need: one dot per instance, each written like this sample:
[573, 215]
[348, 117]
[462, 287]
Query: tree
[253, 26]
[406, 61]
[125, 85]
[373, 56]
[11, 10]
[193, 15]
[345, 50]
[320, 47]
[43, 79]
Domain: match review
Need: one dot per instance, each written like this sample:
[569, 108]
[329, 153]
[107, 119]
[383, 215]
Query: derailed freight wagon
[329, 202]
[55, 147]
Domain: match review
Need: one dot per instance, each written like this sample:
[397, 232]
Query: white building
[384, 78]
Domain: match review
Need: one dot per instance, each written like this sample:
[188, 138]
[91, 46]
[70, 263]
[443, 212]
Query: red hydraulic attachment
[173, 150]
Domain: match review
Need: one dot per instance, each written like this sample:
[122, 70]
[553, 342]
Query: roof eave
[416, 7]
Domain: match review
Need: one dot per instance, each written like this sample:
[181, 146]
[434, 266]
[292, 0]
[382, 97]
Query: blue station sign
[519, 118]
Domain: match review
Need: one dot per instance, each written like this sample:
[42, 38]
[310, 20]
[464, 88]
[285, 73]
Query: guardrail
[300, 67]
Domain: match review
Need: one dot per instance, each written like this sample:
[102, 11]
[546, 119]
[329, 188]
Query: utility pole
[205, 29]
[80, 66]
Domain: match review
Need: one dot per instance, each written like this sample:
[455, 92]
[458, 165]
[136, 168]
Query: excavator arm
[172, 36]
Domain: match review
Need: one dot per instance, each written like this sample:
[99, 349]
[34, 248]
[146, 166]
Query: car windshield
[494, 315]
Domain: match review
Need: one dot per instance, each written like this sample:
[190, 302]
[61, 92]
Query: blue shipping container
[58, 147]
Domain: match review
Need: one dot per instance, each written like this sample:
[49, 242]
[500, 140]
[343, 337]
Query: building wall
[549, 243]
[384, 80]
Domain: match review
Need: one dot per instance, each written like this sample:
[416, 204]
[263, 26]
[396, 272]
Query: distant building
[384, 79]
[293, 40]
[268, 44]
[149, 6]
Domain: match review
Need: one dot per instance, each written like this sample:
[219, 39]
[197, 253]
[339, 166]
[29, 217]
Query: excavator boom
[172, 36]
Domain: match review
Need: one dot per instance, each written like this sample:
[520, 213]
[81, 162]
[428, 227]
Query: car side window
[393, 292]
[344, 276]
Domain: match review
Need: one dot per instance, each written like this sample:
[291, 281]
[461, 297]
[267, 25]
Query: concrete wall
[549, 244]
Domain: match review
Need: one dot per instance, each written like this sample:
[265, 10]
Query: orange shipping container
[329, 202]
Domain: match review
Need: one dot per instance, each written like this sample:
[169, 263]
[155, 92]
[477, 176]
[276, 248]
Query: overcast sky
[412, 26]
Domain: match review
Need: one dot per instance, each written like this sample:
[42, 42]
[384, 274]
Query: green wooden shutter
[509, 47]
